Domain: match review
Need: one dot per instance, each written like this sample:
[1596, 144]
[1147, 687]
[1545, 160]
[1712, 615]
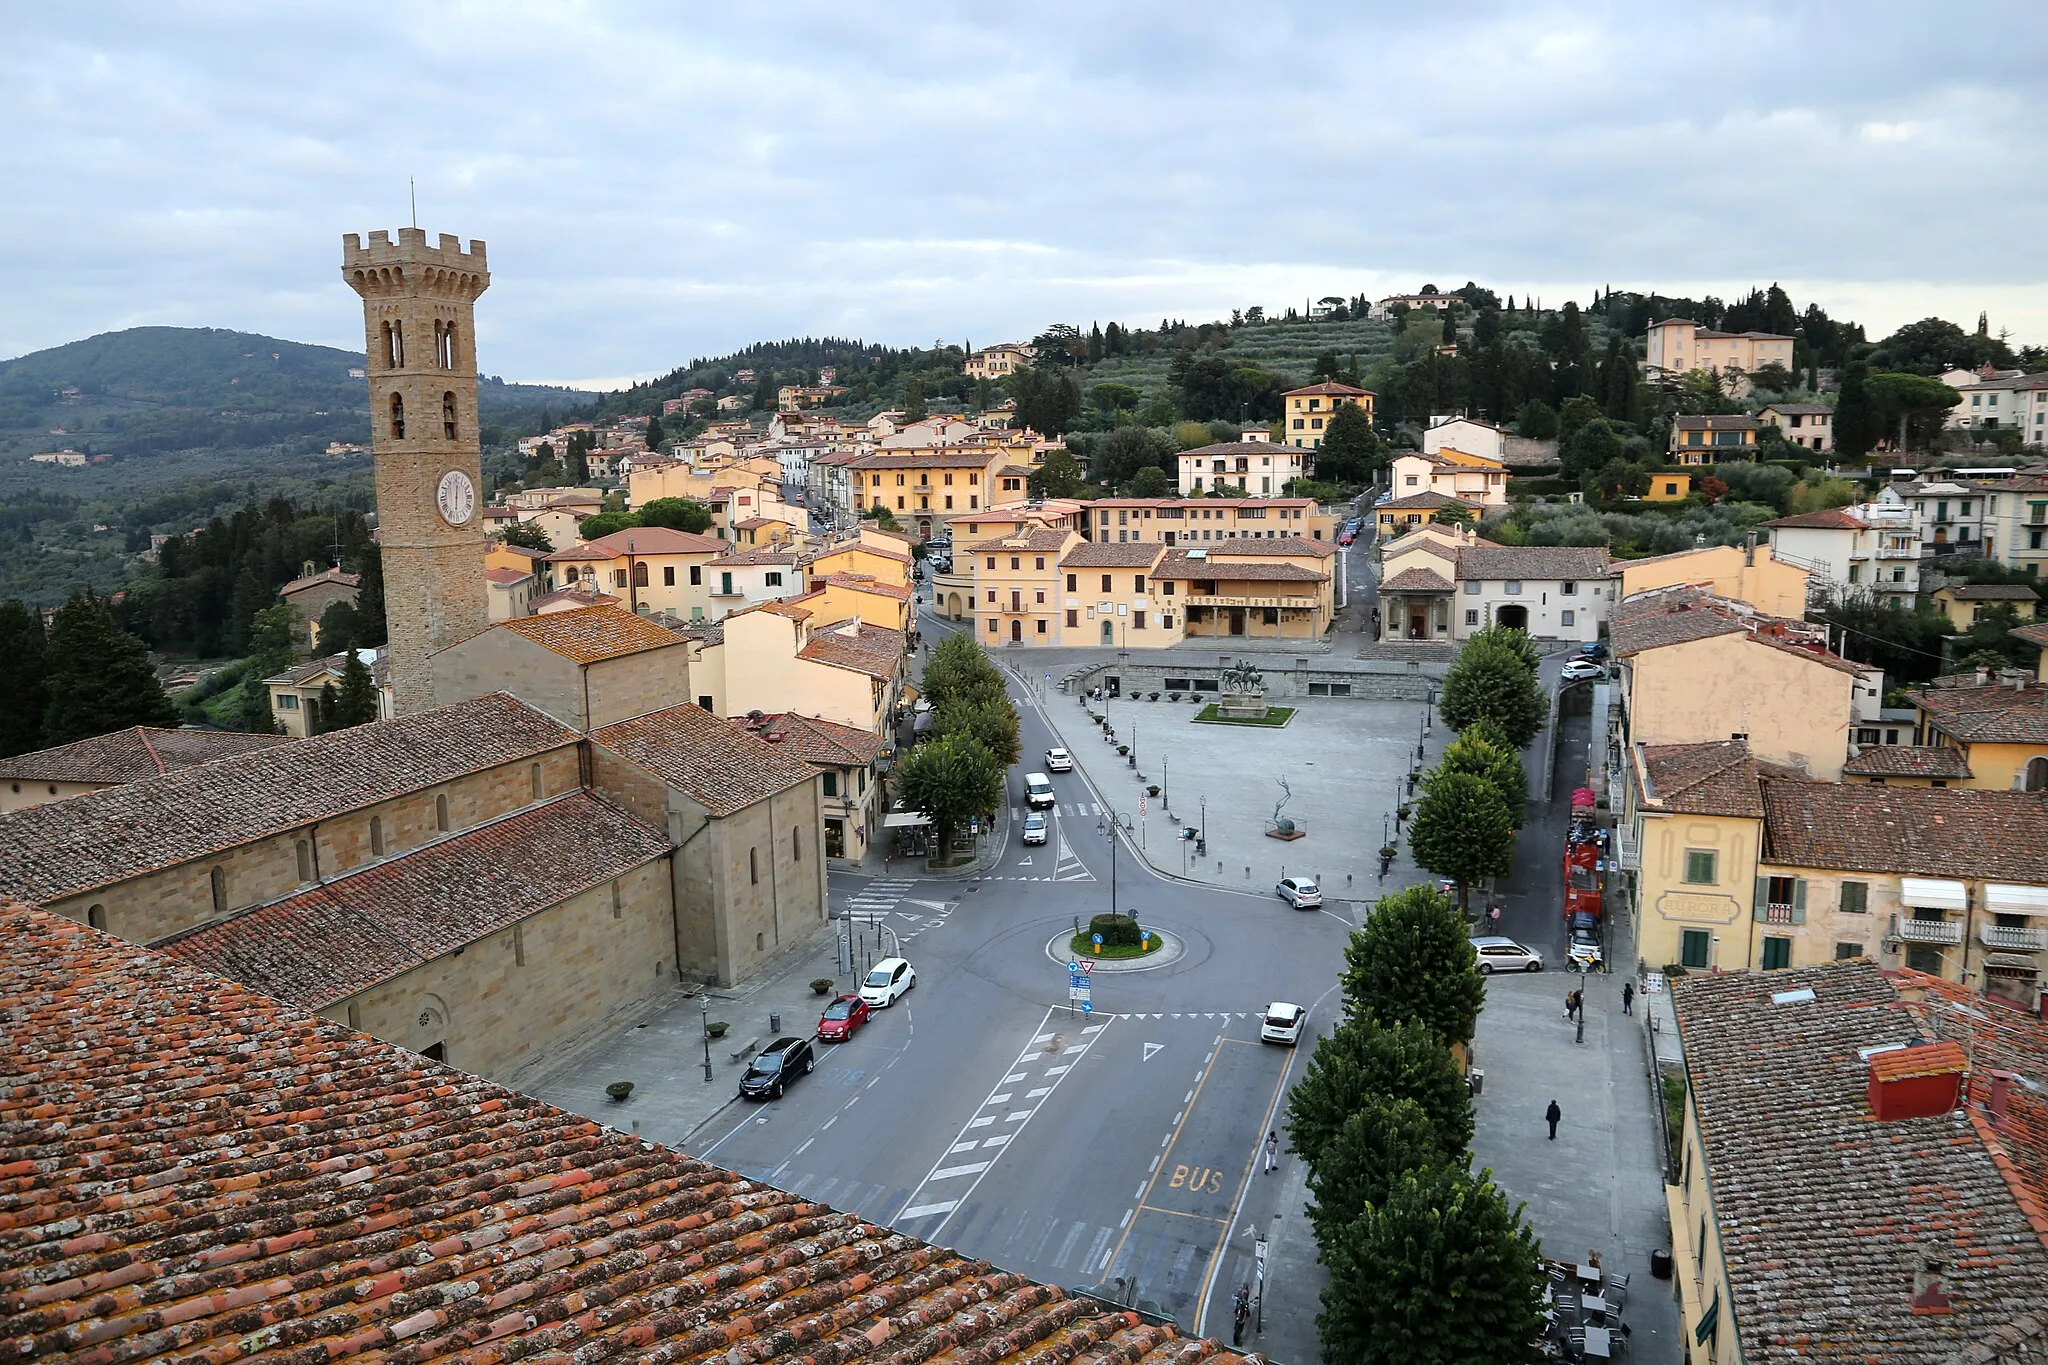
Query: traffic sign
[1087, 967]
[1098, 940]
[1087, 1008]
[1074, 964]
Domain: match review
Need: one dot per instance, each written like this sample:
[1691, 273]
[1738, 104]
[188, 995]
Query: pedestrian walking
[1628, 997]
[1551, 1116]
[1570, 1002]
[1273, 1151]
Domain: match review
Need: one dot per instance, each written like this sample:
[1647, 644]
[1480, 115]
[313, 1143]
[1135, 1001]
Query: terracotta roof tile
[329, 666]
[1427, 500]
[1244, 448]
[238, 1179]
[1293, 546]
[1183, 564]
[1827, 519]
[861, 582]
[1993, 713]
[1958, 832]
[1992, 592]
[590, 635]
[738, 559]
[1716, 778]
[339, 578]
[1531, 562]
[824, 742]
[1824, 1213]
[332, 941]
[131, 755]
[1038, 539]
[874, 650]
[642, 540]
[582, 592]
[2034, 634]
[719, 766]
[48, 852]
[505, 578]
[1418, 580]
[1330, 388]
[1130, 554]
[1907, 760]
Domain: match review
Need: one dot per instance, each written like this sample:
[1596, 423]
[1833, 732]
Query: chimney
[2001, 1092]
[1915, 1082]
[1749, 550]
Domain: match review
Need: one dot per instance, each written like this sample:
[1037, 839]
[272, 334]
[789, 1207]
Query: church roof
[68, 847]
[209, 1173]
[720, 767]
[590, 635]
[352, 932]
[132, 754]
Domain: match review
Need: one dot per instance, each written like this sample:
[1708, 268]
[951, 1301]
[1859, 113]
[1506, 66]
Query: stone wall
[634, 684]
[505, 1005]
[1286, 679]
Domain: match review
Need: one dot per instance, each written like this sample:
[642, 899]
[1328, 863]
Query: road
[981, 1113]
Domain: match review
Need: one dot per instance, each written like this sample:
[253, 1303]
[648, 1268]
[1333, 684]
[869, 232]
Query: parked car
[1583, 940]
[1346, 537]
[1058, 761]
[1592, 649]
[1497, 954]
[1300, 892]
[886, 981]
[1034, 828]
[1579, 670]
[773, 1067]
[1038, 792]
[843, 1018]
[1282, 1023]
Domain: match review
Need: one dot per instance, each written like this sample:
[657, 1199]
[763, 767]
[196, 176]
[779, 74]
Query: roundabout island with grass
[1122, 939]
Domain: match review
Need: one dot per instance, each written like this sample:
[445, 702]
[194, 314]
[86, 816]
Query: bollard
[774, 1022]
[1247, 874]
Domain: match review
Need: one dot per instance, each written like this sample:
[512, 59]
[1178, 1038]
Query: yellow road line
[1202, 1304]
[1172, 1141]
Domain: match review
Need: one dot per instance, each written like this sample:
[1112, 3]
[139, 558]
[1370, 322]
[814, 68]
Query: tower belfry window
[447, 345]
[398, 417]
[394, 345]
[448, 416]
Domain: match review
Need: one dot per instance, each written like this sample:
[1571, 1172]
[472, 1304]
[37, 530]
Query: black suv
[777, 1062]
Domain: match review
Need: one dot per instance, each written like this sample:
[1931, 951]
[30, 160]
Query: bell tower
[419, 307]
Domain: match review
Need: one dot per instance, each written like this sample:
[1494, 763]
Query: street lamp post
[704, 1004]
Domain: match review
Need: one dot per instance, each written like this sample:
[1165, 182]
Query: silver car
[1497, 954]
[1300, 892]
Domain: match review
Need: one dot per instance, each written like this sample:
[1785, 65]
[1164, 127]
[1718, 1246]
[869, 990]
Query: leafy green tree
[1452, 514]
[1591, 447]
[1463, 831]
[678, 514]
[340, 625]
[1492, 682]
[959, 670]
[604, 523]
[1361, 1060]
[528, 535]
[1125, 451]
[950, 780]
[1577, 411]
[1413, 963]
[1617, 478]
[1148, 482]
[1048, 400]
[1114, 398]
[1483, 750]
[1059, 476]
[1512, 639]
[1537, 420]
[991, 724]
[1378, 1143]
[914, 408]
[274, 636]
[1910, 403]
[1350, 452]
[880, 516]
[98, 677]
[23, 678]
[1442, 1272]
[1857, 424]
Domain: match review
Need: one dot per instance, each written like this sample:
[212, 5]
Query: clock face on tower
[456, 498]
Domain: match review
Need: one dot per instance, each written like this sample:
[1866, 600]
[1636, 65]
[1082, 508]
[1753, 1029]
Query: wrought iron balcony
[1931, 931]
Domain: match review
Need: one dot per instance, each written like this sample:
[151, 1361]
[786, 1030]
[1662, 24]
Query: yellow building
[509, 593]
[1676, 346]
[1998, 723]
[1692, 823]
[1966, 603]
[295, 694]
[847, 763]
[1474, 479]
[1398, 516]
[1696, 668]
[1309, 410]
[1711, 439]
[1873, 1120]
[652, 569]
[998, 362]
[926, 490]
[1016, 585]
[1191, 521]
[1113, 595]
[1669, 486]
[780, 656]
[843, 596]
[1280, 589]
[1741, 573]
[881, 555]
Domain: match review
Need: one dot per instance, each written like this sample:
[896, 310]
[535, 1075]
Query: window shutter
[1799, 900]
[1760, 909]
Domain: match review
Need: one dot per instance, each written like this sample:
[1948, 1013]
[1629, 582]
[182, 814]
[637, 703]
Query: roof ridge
[142, 733]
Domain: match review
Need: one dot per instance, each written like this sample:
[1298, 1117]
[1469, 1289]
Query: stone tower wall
[419, 311]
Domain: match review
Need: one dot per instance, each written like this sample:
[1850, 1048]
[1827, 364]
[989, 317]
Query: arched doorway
[1016, 632]
[1109, 632]
[1512, 615]
[2036, 778]
[953, 605]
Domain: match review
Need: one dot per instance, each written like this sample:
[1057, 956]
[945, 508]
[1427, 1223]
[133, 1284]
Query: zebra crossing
[1072, 810]
[880, 901]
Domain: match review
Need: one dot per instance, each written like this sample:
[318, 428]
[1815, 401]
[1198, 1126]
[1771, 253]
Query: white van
[1038, 792]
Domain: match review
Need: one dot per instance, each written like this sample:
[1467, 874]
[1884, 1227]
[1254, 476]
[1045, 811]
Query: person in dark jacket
[1551, 1116]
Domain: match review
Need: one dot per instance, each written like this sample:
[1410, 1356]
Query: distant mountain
[148, 390]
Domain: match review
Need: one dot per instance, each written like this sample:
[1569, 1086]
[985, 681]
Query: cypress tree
[99, 676]
[22, 678]
[355, 701]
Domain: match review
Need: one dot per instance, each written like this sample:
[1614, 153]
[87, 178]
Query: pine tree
[355, 701]
[370, 628]
[99, 676]
[23, 680]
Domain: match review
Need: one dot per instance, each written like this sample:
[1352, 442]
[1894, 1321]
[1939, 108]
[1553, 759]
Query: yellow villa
[1741, 573]
[1307, 411]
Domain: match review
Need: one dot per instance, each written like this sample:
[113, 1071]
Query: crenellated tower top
[409, 265]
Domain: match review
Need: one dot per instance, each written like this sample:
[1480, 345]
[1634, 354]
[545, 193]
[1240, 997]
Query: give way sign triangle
[1151, 1048]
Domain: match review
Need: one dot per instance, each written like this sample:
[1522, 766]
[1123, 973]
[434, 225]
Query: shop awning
[908, 819]
[1928, 893]
[2016, 900]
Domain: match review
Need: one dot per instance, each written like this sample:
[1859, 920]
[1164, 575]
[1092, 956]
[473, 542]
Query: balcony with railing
[1931, 930]
[1777, 913]
[2022, 938]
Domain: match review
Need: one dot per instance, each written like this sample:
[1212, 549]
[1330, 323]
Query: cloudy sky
[663, 181]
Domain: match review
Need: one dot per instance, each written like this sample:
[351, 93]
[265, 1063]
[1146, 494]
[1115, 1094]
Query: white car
[1300, 892]
[1034, 828]
[1058, 761]
[1497, 954]
[1579, 670]
[887, 980]
[1282, 1023]
[1038, 792]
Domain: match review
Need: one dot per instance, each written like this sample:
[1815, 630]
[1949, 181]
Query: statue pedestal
[1241, 706]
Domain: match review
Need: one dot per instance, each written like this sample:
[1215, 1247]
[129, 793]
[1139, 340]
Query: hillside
[193, 421]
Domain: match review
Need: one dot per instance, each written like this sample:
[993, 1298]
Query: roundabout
[1060, 949]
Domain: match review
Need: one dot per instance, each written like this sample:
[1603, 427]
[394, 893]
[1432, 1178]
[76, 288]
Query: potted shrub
[1173, 696]
[1388, 850]
[1403, 812]
[1123, 750]
[1152, 790]
[822, 985]
[618, 1090]
[717, 1027]
[1153, 697]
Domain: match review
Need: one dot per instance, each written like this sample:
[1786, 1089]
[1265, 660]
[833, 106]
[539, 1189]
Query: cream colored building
[1263, 469]
[926, 490]
[1468, 435]
[1965, 604]
[1996, 722]
[998, 362]
[652, 569]
[780, 656]
[1741, 573]
[296, 693]
[1677, 346]
[1307, 411]
[1111, 595]
[1017, 598]
[1267, 589]
[509, 593]
[1870, 552]
[847, 763]
[1197, 521]
[747, 578]
[2016, 522]
[1471, 479]
[1810, 426]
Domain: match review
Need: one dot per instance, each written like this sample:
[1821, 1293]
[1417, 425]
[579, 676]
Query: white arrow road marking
[1151, 1048]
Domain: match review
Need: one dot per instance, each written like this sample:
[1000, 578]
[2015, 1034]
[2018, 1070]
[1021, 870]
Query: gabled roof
[1737, 421]
[814, 740]
[746, 559]
[332, 577]
[861, 582]
[719, 766]
[1800, 409]
[1990, 592]
[505, 578]
[130, 755]
[1993, 713]
[1959, 832]
[590, 635]
[1294, 546]
[642, 540]
[1418, 580]
[1500, 563]
[49, 852]
[1182, 564]
[1908, 760]
[1038, 540]
[1245, 448]
[872, 650]
[583, 592]
[1133, 554]
[1427, 500]
[204, 1172]
[1802, 1174]
[337, 939]
[1827, 519]
[1338, 390]
[1716, 778]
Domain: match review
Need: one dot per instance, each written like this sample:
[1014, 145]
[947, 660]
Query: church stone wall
[506, 661]
[509, 1004]
[772, 900]
[634, 684]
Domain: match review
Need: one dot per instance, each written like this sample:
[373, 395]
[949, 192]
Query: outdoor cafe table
[1590, 1274]
[1597, 1342]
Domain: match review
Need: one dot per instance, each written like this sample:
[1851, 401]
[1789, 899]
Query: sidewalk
[662, 1053]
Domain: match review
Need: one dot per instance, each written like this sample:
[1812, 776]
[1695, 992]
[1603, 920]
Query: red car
[842, 1018]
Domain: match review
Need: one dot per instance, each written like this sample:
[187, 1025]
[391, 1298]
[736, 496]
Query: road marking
[1127, 1218]
[1141, 1189]
[984, 1121]
[1177, 1117]
[1055, 1070]
[967, 1146]
[1039, 1093]
[949, 1172]
[1013, 1078]
[1044, 1038]
[1188, 1098]
[923, 1210]
[997, 1141]
[828, 1123]
[1003, 1098]
[1019, 1116]
[1078, 1047]
[1167, 1143]
[1155, 1163]
[1151, 1048]
[1092, 1028]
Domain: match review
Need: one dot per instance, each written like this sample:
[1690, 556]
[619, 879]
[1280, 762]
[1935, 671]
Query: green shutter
[1799, 900]
[1760, 908]
[1709, 1320]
